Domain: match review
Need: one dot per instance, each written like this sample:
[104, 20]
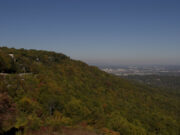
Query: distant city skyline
[99, 32]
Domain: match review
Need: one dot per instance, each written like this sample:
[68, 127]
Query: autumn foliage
[47, 92]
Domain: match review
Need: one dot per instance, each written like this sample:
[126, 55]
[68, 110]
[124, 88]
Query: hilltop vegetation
[44, 92]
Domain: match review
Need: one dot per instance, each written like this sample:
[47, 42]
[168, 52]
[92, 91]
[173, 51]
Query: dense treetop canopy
[50, 90]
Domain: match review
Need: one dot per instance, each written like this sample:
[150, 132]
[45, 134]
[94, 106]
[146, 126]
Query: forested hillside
[46, 92]
[166, 82]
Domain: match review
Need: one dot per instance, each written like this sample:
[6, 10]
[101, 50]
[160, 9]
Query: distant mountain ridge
[46, 91]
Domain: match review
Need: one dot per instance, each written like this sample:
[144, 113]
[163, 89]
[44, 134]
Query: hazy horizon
[98, 32]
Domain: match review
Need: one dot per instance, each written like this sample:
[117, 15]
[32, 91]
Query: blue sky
[96, 31]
